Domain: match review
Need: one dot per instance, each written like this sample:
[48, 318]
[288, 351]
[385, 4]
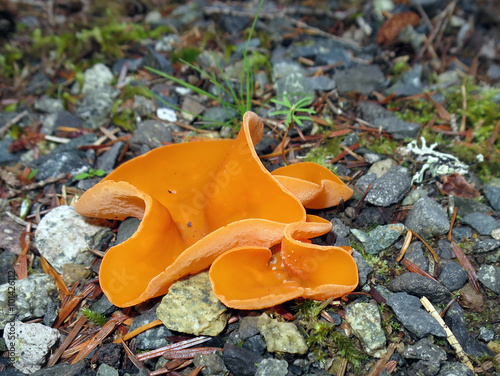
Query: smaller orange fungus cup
[213, 203]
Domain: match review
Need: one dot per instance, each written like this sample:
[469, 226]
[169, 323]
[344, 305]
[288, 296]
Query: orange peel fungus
[213, 204]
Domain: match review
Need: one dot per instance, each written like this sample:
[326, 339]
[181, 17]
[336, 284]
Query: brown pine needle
[48, 269]
[381, 363]
[179, 345]
[431, 250]
[71, 336]
[189, 353]
[131, 355]
[406, 244]
[452, 222]
[95, 340]
[417, 270]
[196, 371]
[69, 307]
[464, 261]
[452, 340]
[139, 330]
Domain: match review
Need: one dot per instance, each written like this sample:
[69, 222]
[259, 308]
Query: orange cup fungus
[213, 204]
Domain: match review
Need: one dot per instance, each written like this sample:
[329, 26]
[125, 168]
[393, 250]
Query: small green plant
[91, 173]
[323, 339]
[239, 102]
[294, 117]
[94, 317]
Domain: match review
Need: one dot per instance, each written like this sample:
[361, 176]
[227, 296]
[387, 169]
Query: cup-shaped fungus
[209, 200]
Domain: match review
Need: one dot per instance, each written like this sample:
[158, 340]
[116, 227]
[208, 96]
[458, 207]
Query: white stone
[166, 114]
[64, 236]
[28, 344]
[95, 77]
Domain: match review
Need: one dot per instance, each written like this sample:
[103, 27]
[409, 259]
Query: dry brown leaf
[48, 269]
[392, 27]
[456, 185]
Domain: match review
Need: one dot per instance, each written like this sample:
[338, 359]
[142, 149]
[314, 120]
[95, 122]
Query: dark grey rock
[67, 119]
[462, 233]
[39, 84]
[68, 162]
[467, 206]
[152, 338]
[248, 327]
[409, 84]
[427, 218]
[489, 276]
[126, 229]
[240, 361]
[486, 335]
[370, 111]
[5, 156]
[213, 365]
[339, 56]
[132, 65]
[397, 128]
[234, 24]
[157, 61]
[151, 133]
[96, 106]
[51, 313]
[364, 269]
[415, 254]
[494, 72]
[369, 216]
[219, 115]
[380, 238]
[14, 372]
[321, 83]
[266, 145]
[103, 306]
[453, 276]
[364, 181]
[482, 223]
[409, 312]
[7, 260]
[255, 344]
[455, 319]
[486, 245]
[416, 284]
[492, 193]
[445, 251]
[272, 367]
[107, 160]
[455, 368]
[362, 78]
[64, 369]
[143, 106]
[425, 350]
[423, 367]
[390, 188]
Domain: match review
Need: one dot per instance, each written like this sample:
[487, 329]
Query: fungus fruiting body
[213, 204]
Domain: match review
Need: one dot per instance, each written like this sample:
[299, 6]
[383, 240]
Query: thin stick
[71, 336]
[139, 330]
[11, 122]
[452, 340]
[380, 365]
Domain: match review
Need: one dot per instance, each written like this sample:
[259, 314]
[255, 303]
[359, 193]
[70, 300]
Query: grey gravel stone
[339, 228]
[105, 370]
[486, 245]
[95, 77]
[143, 106]
[408, 310]
[213, 365]
[489, 276]
[453, 276]
[409, 84]
[157, 61]
[7, 272]
[294, 86]
[64, 369]
[362, 78]
[364, 181]
[467, 206]
[381, 167]
[321, 83]
[255, 344]
[272, 367]
[240, 361]
[107, 160]
[370, 111]
[96, 106]
[334, 56]
[461, 233]
[64, 236]
[455, 369]
[425, 350]
[364, 320]
[390, 188]
[414, 196]
[486, 335]
[33, 295]
[427, 218]
[39, 83]
[31, 343]
[416, 284]
[126, 229]
[380, 238]
[492, 193]
[397, 128]
[152, 338]
[48, 105]
[151, 133]
[281, 336]
[66, 162]
[364, 269]
[190, 306]
[415, 254]
[482, 223]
